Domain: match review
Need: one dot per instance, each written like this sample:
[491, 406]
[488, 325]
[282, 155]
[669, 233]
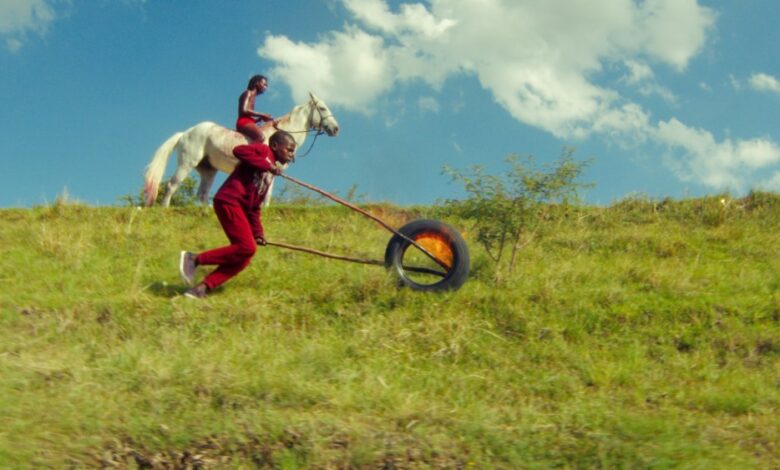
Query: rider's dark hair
[253, 81]
[280, 137]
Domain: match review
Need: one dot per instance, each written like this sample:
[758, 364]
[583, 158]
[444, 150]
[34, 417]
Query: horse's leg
[190, 154]
[173, 184]
[207, 175]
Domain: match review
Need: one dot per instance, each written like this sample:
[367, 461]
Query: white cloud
[673, 30]
[13, 44]
[538, 60]
[20, 17]
[428, 104]
[351, 68]
[735, 83]
[654, 89]
[412, 18]
[695, 155]
[764, 82]
[534, 57]
[637, 72]
[640, 75]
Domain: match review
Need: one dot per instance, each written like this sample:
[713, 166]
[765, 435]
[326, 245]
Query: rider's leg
[251, 131]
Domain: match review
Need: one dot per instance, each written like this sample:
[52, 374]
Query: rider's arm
[247, 110]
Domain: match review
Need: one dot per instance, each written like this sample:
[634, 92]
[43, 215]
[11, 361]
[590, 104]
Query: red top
[247, 186]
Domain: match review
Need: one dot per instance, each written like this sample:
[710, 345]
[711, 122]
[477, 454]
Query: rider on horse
[247, 116]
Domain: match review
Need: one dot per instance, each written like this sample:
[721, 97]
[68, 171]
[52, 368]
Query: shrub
[508, 210]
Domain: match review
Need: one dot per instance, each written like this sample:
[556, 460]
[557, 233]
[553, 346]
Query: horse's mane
[267, 126]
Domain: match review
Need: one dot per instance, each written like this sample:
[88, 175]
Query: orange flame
[438, 245]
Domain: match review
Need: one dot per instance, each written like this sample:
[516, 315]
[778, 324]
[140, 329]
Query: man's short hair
[253, 81]
[280, 137]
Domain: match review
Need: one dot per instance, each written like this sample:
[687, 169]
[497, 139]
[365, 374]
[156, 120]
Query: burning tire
[417, 270]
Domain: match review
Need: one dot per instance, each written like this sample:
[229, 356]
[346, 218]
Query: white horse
[208, 147]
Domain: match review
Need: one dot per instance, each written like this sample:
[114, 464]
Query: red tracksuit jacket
[248, 185]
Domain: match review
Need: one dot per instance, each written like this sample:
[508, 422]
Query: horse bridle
[316, 106]
[319, 129]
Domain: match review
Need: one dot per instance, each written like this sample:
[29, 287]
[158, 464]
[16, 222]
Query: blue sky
[674, 98]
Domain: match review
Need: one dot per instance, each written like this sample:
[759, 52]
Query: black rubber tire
[457, 273]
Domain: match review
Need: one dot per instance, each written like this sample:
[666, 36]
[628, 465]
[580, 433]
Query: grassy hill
[646, 334]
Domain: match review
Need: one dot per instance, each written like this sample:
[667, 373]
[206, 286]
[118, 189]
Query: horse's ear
[311, 95]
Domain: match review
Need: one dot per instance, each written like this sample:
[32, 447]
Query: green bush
[508, 210]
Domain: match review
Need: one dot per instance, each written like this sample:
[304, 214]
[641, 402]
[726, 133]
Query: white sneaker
[197, 292]
[187, 267]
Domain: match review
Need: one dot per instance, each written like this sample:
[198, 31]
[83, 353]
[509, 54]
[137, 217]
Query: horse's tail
[156, 168]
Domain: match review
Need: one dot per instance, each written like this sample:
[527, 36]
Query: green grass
[643, 335]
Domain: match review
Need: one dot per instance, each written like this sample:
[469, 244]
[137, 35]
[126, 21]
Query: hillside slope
[642, 335]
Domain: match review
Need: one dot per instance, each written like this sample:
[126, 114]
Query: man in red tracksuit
[237, 205]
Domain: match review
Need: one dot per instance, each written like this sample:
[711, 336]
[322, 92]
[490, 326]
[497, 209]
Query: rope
[374, 262]
[370, 216]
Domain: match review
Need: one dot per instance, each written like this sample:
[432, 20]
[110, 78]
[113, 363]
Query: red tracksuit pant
[231, 259]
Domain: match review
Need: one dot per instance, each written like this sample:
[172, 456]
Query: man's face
[261, 86]
[284, 151]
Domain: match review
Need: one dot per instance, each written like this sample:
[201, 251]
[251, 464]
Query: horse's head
[321, 117]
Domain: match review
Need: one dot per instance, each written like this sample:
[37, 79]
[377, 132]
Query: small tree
[507, 209]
